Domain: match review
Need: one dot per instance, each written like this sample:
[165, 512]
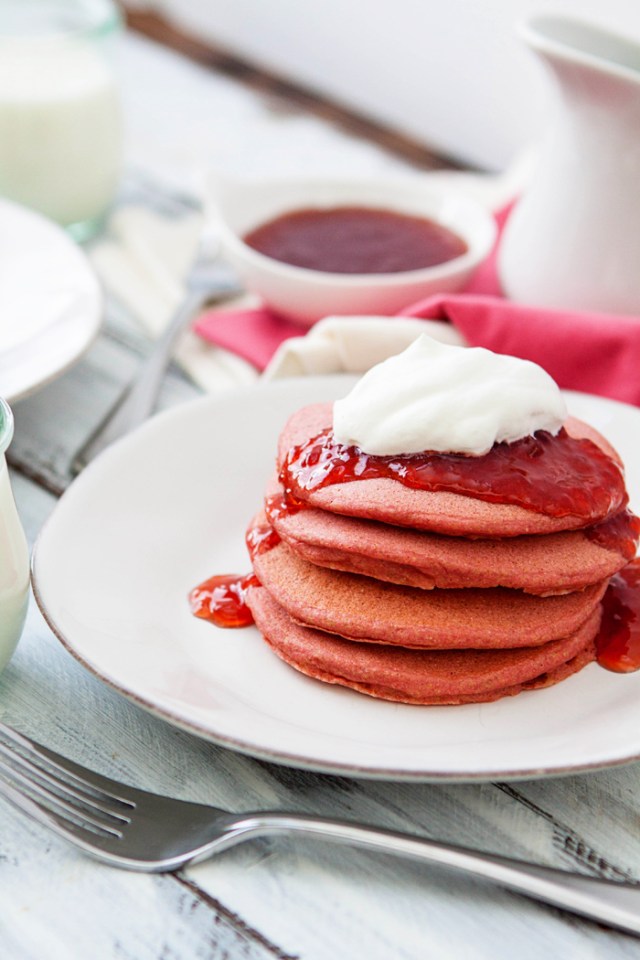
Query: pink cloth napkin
[595, 353]
[254, 334]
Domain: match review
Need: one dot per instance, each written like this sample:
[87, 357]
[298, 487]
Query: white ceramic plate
[50, 301]
[168, 506]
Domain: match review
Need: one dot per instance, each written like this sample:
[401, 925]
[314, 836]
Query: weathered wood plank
[592, 818]
[58, 905]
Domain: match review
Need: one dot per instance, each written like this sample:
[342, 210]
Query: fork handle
[611, 902]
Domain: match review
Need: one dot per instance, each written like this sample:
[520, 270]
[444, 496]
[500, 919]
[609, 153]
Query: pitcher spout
[587, 45]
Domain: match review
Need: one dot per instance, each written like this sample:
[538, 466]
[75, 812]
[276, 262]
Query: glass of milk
[14, 553]
[60, 124]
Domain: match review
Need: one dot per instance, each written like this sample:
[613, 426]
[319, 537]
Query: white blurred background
[451, 73]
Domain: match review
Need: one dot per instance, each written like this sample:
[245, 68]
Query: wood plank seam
[571, 844]
[233, 919]
[49, 481]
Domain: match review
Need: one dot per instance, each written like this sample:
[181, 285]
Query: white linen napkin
[352, 344]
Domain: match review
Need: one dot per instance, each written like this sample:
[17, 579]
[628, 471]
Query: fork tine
[73, 775]
[49, 818]
[72, 815]
[20, 767]
[87, 838]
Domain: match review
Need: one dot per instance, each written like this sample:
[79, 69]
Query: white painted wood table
[282, 899]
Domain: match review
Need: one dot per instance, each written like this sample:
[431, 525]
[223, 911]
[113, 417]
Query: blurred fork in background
[205, 285]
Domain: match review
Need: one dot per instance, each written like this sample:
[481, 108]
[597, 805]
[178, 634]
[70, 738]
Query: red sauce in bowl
[356, 240]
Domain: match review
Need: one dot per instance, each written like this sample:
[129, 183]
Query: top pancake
[389, 501]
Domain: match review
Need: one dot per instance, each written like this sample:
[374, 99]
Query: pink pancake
[441, 512]
[368, 610]
[420, 677]
[556, 563]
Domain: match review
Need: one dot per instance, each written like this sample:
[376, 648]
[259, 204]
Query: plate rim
[88, 323]
[283, 757]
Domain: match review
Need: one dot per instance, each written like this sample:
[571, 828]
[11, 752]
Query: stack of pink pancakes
[430, 597]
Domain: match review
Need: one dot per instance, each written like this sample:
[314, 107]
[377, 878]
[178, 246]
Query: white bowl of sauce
[315, 248]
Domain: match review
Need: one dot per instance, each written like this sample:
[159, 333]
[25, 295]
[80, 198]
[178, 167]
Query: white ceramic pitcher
[573, 240]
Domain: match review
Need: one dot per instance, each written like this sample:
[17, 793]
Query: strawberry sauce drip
[222, 600]
[557, 476]
[278, 505]
[260, 538]
[619, 534]
[618, 643]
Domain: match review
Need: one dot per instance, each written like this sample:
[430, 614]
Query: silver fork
[206, 283]
[130, 828]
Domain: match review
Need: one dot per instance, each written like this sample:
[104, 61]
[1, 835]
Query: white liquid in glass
[60, 127]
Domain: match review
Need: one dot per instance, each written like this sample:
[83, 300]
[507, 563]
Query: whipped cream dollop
[449, 399]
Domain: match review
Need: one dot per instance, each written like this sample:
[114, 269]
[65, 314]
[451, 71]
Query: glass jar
[60, 123]
[14, 553]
